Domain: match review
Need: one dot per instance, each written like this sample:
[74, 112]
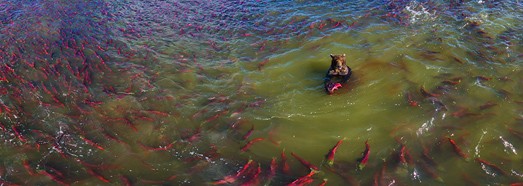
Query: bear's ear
[332, 55]
[343, 55]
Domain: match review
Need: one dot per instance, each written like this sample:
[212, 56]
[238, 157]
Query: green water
[388, 63]
[187, 80]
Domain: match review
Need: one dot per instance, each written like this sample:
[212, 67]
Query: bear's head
[338, 62]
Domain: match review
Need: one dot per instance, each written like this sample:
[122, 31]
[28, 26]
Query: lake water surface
[167, 92]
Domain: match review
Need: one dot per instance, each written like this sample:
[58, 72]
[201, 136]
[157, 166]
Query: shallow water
[188, 92]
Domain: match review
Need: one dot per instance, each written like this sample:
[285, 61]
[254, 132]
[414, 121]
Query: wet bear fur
[338, 70]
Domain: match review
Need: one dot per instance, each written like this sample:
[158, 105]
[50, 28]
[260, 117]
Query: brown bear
[337, 70]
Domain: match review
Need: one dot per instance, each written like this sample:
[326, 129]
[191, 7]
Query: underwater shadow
[318, 70]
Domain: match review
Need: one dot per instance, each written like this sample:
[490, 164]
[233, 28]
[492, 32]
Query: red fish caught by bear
[331, 87]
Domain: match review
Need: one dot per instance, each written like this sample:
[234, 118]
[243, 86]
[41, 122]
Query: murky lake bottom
[167, 92]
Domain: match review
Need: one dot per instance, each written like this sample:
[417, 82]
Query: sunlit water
[168, 92]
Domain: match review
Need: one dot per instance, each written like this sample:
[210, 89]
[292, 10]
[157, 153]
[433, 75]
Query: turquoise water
[209, 93]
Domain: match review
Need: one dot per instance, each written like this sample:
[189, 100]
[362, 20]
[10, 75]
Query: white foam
[417, 12]
[508, 146]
